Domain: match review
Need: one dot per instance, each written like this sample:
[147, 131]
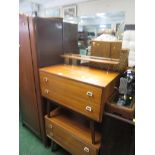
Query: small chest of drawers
[81, 89]
[72, 134]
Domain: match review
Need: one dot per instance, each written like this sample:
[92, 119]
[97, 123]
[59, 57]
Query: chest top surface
[100, 78]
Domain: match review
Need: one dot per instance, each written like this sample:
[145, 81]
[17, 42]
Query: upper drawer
[81, 97]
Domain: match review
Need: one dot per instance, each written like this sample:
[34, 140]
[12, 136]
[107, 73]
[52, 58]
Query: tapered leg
[48, 108]
[54, 146]
[92, 128]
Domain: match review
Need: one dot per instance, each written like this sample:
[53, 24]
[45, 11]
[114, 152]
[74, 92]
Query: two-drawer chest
[83, 90]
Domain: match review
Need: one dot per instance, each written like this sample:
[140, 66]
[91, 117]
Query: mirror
[102, 26]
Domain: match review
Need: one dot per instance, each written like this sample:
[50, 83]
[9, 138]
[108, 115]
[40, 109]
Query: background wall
[98, 6]
[92, 7]
[28, 7]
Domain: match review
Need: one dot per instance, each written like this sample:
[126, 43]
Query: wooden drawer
[69, 141]
[80, 97]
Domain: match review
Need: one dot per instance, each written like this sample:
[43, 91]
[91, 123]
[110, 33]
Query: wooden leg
[48, 108]
[54, 146]
[92, 128]
[46, 142]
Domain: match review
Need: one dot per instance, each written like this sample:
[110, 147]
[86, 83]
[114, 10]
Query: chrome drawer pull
[46, 91]
[89, 93]
[86, 149]
[50, 126]
[88, 108]
[46, 79]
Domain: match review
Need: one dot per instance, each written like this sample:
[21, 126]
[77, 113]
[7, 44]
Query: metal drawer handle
[89, 93]
[88, 108]
[46, 91]
[45, 79]
[86, 149]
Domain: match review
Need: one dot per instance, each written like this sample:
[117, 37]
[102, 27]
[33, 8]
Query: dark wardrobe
[41, 42]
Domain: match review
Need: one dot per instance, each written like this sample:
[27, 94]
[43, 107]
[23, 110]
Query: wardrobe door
[28, 101]
[49, 41]
[70, 38]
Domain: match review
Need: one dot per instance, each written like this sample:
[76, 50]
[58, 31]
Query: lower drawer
[69, 141]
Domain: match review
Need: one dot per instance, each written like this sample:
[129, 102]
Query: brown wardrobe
[40, 44]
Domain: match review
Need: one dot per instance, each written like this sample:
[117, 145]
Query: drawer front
[68, 141]
[80, 97]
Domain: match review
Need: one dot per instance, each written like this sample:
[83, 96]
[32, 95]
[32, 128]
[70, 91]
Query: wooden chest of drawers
[73, 135]
[82, 89]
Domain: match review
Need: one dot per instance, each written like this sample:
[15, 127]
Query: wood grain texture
[72, 94]
[41, 107]
[70, 91]
[75, 133]
[88, 75]
[110, 49]
[28, 100]
[100, 48]
[115, 50]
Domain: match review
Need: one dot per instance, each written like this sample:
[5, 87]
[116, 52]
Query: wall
[92, 7]
[27, 7]
[98, 6]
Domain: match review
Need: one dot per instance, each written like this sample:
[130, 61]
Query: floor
[29, 144]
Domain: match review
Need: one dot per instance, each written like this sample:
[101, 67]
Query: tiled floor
[29, 144]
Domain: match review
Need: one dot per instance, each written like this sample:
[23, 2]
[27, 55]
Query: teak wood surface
[109, 49]
[96, 77]
[75, 133]
[28, 98]
[68, 85]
